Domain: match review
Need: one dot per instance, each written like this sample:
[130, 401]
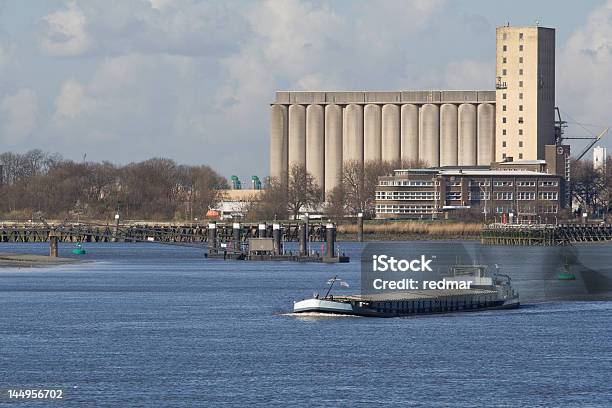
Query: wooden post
[116, 228]
[212, 238]
[302, 239]
[330, 240]
[277, 235]
[236, 237]
[360, 227]
[53, 244]
[261, 231]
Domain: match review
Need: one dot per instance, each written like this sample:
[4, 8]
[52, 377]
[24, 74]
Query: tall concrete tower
[600, 155]
[525, 92]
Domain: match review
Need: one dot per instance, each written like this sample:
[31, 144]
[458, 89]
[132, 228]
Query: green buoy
[79, 250]
[567, 274]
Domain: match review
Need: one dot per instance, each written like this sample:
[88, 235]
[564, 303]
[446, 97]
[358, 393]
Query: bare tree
[302, 190]
[605, 195]
[359, 182]
[586, 184]
[336, 203]
[353, 186]
[280, 200]
[271, 205]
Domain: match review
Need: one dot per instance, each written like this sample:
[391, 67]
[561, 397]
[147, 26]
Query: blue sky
[192, 80]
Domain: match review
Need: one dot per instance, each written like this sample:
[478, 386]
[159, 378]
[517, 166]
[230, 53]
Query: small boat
[486, 293]
[79, 250]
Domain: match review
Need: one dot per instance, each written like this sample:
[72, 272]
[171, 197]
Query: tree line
[38, 184]
[300, 192]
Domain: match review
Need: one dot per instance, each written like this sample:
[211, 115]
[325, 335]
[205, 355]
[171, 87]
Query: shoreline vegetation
[411, 230]
[12, 260]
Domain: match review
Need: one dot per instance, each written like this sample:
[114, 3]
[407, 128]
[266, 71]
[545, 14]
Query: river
[154, 325]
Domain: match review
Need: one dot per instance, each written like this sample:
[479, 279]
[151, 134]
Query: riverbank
[12, 260]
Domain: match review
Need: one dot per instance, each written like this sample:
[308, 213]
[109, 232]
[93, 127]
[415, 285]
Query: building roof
[475, 172]
[364, 97]
[493, 173]
[240, 195]
[521, 162]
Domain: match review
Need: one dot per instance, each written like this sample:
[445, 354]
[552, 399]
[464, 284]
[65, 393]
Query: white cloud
[148, 102]
[6, 53]
[70, 102]
[20, 115]
[160, 4]
[307, 46]
[584, 66]
[470, 74]
[117, 86]
[165, 74]
[65, 32]
[176, 27]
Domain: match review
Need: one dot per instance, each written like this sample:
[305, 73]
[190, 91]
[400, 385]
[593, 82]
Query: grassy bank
[410, 230]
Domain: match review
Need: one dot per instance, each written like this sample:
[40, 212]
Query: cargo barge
[486, 293]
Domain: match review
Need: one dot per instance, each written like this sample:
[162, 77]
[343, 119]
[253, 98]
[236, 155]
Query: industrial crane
[595, 140]
[560, 125]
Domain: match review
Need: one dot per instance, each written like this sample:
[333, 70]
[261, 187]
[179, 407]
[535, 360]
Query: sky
[192, 81]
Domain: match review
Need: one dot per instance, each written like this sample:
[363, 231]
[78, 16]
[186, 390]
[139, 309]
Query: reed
[414, 228]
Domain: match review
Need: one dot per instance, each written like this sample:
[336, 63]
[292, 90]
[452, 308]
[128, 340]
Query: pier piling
[276, 235]
[261, 231]
[53, 244]
[302, 239]
[330, 239]
[236, 235]
[116, 228]
[212, 237]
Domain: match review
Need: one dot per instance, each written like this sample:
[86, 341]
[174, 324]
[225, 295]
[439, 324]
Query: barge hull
[372, 313]
[408, 304]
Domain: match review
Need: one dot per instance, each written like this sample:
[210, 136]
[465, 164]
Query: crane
[595, 140]
[560, 126]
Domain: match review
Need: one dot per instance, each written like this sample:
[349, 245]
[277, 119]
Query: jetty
[152, 232]
[545, 234]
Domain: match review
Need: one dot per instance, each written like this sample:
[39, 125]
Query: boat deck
[415, 295]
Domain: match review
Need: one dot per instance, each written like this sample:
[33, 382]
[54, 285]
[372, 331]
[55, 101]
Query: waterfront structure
[516, 193]
[322, 130]
[233, 203]
[525, 92]
[600, 155]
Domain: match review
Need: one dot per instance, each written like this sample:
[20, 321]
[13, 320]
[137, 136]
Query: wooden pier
[545, 234]
[164, 233]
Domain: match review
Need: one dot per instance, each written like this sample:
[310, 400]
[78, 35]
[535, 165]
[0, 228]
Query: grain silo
[325, 129]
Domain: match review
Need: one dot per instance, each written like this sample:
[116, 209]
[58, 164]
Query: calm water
[148, 325]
